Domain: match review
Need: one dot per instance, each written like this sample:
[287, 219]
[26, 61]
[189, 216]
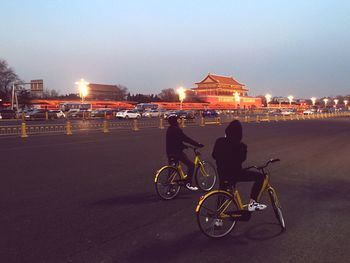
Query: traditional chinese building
[216, 89]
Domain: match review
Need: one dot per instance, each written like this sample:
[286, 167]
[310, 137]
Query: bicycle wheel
[214, 214]
[206, 176]
[166, 183]
[277, 208]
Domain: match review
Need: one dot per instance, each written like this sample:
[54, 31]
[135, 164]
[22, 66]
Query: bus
[146, 106]
[66, 106]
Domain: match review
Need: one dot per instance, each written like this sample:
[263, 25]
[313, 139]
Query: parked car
[101, 112]
[151, 113]
[184, 114]
[210, 113]
[7, 114]
[60, 114]
[288, 112]
[128, 114]
[40, 114]
[308, 112]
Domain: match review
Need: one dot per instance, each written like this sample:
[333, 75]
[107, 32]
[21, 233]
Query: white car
[287, 112]
[60, 114]
[308, 112]
[128, 114]
[151, 113]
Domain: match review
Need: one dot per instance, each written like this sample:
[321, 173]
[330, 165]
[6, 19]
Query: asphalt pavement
[90, 197]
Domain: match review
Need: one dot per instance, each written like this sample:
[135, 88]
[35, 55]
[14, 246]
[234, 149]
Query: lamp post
[345, 103]
[268, 99]
[181, 91]
[325, 102]
[313, 100]
[237, 98]
[83, 87]
[290, 98]
[335, 103]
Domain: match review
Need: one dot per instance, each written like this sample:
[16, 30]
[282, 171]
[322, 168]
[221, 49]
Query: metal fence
[24, 130]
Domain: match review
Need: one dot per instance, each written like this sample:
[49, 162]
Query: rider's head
[173, 120]
[234, 131]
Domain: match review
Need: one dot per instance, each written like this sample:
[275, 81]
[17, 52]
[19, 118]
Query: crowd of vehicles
[76, 110]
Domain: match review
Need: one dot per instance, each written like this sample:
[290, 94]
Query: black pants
[245, 176]
[184, 159]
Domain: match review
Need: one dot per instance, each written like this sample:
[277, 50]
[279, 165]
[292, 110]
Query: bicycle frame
[236, 197]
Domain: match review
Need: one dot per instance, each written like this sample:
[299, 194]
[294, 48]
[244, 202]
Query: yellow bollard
[105, 126]
[46, 115]
[291, 117]
[276, 118]
[161, 123]
[247, 119]
[135, 126]
[23, 130]
[202, 122]
[68, 128]
[257, 119]
[182, 123]
[218, 120]
[284, 117]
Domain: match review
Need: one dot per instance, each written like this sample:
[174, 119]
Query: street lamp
[83, 87]
[335, 103]
[325, 102]
[290, 98]
[313, 99]
[237, 97]
[182, 95]
[268, 99]
[345, 103]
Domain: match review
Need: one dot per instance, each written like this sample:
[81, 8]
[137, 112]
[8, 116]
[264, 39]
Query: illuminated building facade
[216, 89]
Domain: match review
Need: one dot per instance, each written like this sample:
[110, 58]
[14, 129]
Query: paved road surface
[89, 197]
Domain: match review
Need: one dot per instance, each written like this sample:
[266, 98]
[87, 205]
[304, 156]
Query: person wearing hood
[230, 152]
[175, 139]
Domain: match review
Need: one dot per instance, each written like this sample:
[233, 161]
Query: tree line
[8, 77]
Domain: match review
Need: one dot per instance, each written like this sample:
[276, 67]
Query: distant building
[225, 89]
[102, 92]
[37, 88]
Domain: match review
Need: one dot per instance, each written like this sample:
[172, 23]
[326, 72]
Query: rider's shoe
[255, 206]
[190, 187]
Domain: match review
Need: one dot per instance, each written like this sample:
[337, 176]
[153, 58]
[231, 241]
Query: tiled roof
[222, 80]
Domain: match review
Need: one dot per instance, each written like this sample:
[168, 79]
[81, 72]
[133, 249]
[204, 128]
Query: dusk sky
[299, 47]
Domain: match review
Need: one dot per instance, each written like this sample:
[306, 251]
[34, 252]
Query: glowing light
[182, 93]
[290, 98]
[325, 101]
[345, 102]
[268, 98]
[83, 87]
[336, 102]
[313, 99]
[237, 97]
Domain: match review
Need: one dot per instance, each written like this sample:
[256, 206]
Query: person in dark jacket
[230, 152]
[175, 139]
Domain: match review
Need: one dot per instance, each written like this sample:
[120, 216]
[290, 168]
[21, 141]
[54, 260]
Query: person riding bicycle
[229, 153]
[175, 138]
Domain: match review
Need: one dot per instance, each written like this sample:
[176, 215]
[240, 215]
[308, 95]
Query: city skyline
[300, 49]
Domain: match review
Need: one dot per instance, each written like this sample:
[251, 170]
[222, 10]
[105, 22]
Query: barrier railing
[25, 129]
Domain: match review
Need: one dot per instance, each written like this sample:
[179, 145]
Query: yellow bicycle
[169, 179]
[218, 211]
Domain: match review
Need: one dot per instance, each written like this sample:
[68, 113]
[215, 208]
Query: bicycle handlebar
[263, 166]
